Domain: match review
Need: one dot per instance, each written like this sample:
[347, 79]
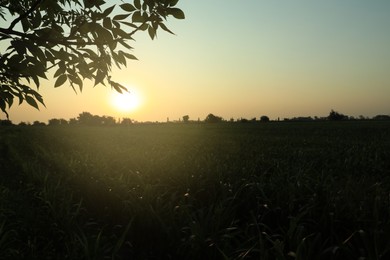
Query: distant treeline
[88, 119]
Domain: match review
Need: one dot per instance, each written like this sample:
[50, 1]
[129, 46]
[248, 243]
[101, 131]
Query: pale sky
[279, 58]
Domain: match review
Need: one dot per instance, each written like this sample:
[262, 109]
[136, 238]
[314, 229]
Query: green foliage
[76, 39]
[196, 191]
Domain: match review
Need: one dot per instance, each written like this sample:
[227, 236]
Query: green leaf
[137, 4]
[49, 56]
[104, 36]
[137, 17]
[173, 2]
[60, 70]
[127, 7]
[176, 12]
[121, 58]
[165, 28]
[75, 79]
[3, 107]
[36, 80]
[121, 33]
[120, 17]
[125, 45]
[19, 46]
[100, 75]
[60, 80]
[39, 98]
[143, 27]
[36, 20]
[130, 56]
[152, 32]
[108, 11]
[37, 52]
[31, 101]
[107, 23]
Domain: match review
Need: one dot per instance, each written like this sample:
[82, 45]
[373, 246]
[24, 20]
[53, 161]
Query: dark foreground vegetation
[308, 190]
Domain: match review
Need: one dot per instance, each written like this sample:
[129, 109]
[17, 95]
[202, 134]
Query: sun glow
[127, 101]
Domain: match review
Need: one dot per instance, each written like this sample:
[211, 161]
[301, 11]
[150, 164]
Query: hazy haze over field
[247, 59]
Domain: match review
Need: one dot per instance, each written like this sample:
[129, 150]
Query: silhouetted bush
[38, 123]
[336, 116]
[264, 119]
[213, 119]
[186, 118]
[381, 117]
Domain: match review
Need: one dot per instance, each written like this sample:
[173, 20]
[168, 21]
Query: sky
[245, 59]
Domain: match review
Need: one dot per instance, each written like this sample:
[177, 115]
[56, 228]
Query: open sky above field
[246, 59]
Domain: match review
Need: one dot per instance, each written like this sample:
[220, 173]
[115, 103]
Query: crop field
[278, 190]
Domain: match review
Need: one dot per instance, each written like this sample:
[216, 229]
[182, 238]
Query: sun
[127, 101]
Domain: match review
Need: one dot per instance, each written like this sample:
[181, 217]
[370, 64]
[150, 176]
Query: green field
[279, 190]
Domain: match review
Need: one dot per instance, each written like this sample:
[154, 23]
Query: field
[278, 190]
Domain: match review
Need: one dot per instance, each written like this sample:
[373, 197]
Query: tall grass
[193, 191]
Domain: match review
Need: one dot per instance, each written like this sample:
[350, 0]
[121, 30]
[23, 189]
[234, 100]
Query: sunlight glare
[127, 101]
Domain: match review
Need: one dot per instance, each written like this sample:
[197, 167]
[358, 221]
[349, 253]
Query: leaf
[20, 96]
[121, 58]
[143, 27]
[49, 56]
[121, 33]
[100, 75]
[165, 28]
[127, 7]
[75, 79]
[176, 12]
[129, 24]
[39, 98]
[89, 53]
[37, 52]
[107, 23]
[152, 32]
[125, 45]
[61, 70]
[60, 80]
[19, 46]
[137, 4]
[120, 17]
[36, 20]
[130, 56]
[108, 11]
[3, 107]
[104, 36]
[36, 80]
[31, 101]
[173, 2]
[137, 17]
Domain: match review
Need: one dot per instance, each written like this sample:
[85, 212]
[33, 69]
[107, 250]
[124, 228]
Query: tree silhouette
[186, 118]
[264, 119]
[336, 116]
[76, 39]
[86, 118]
[126, 121]
[54, 121]
[213, 119]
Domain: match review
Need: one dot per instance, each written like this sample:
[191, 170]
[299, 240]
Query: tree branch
[29, 11]
[62, 42]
